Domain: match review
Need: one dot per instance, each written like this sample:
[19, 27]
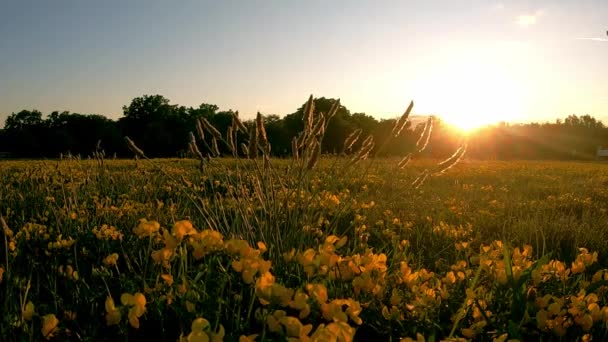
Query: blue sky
[472, 59]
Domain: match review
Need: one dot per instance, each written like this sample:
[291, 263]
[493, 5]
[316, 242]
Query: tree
[23, 119]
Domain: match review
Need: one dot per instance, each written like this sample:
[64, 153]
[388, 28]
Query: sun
[473, 94]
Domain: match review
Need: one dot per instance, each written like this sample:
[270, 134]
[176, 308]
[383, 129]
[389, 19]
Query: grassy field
[253, 250]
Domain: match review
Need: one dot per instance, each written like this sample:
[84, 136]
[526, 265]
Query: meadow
[254, 250]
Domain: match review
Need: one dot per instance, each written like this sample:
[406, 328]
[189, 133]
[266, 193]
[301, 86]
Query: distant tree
[24, 132]
[161, 130]
[23, 119]
[158, 127]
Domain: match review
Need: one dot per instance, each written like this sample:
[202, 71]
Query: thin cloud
[595, 39]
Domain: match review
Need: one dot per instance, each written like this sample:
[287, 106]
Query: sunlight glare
[473, 94]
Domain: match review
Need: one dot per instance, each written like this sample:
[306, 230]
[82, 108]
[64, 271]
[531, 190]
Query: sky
[466, 60]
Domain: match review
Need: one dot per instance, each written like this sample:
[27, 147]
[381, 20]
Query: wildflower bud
[531, 295]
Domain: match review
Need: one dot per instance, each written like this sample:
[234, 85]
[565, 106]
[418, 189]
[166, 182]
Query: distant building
[5, 155]
[602, 152]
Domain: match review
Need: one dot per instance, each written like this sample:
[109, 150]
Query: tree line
[162, 129]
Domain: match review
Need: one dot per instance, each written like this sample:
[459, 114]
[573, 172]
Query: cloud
[526, 20]
[595, 39]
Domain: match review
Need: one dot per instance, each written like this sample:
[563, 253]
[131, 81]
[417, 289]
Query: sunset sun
[472, 94]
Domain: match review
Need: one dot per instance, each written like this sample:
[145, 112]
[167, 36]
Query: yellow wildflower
[317, 292]
[249, 338]
[262, 247]
[295, 328]
[201, 332]
[137, 303]
[341, 242]
[146, 228]
[28, 311]
[206, 242]
[337, 331]
[287, 256]
[111, 260]
[167, 278]
[183, 228]
[49, 325]
[501, 338]
[419, 338]
[300, 302]
[274, 321]
[163, 255]
[112, 313]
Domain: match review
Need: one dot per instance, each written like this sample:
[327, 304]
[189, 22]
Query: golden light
[472, 94]
[526, 20]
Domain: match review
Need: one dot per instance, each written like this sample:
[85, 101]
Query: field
[252, 250]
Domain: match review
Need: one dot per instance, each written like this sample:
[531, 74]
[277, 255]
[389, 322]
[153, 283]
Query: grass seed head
[402, 122]
[211, 129]
[199, 129]
[136, 150]
[316, 152]
[352, 139]
[425, 136]
[309, 110]
[237, 123]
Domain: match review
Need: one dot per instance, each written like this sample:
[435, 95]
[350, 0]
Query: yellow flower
[107, 233]
[307, 260]
[501, 338]
[183, 228]
[295, 328]
[111, 260]
[317, 292]
[28, 311]
[584, 321]
[137, 303]
[167, 278]
[200, 332]
[146, 228]
[332, 239]
[249, 338]
[112, 313]
[268, 291]
[341, 242]
[49, 325]
[206, 242]
[337, 331]
[300, 302]
[262, 247]
[274, 321]
[287, 256]
[419, 338]
[163, 255]
[577, 267]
